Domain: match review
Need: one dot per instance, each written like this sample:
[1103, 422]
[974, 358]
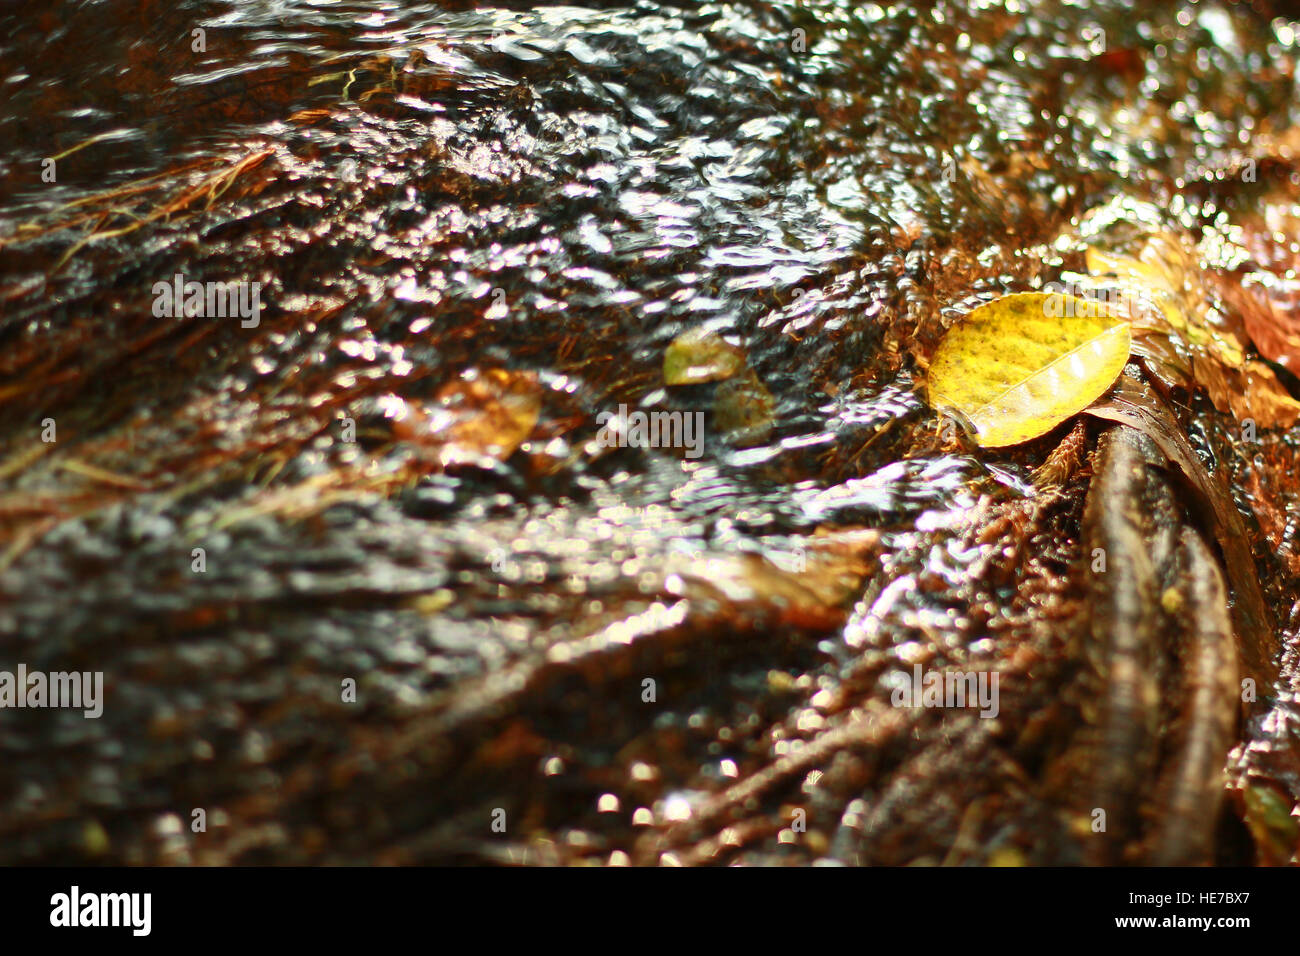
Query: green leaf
[1020, 365]
[696, 357]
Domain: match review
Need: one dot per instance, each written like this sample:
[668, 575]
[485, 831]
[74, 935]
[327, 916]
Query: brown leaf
[1271, 315]
[484, 414]
[1251, 392]
[810, 593]
[1265, 291]
[1270, 404]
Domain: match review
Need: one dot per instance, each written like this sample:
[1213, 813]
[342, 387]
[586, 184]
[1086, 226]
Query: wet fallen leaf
[696, 357]
[1271, 315]
[1166, 276]
[1264, 289]
[826, 573]
[1155, 282]
[744, 410]
[1020, 365]
[1204, 312]
[1251, 392]
[484, 414]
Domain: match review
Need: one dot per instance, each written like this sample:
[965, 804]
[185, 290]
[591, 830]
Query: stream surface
[475, 229]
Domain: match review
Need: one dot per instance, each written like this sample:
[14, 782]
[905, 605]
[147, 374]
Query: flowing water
[473, 230]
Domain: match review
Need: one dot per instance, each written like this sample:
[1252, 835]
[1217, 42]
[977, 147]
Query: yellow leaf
[1104, 262]
[1156, 285]
[1022, 364]
[1166, 276]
